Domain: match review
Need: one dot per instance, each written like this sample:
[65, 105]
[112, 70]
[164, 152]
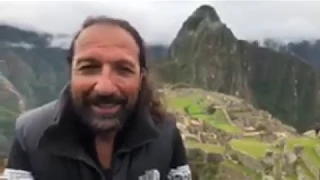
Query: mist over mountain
[307, 51]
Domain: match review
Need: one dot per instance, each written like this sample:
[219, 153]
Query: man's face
[106, 76]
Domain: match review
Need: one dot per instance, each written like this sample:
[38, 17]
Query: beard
[100, 122]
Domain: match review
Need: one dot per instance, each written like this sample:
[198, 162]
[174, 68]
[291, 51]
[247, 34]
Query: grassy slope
[250, 146]
[197, 109]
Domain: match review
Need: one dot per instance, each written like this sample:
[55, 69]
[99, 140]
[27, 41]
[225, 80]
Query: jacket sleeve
[179, 167]
[18, 166]
[18, 158]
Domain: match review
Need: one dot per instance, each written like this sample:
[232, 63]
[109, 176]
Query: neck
[105, 137]
[104, 144]
[104, 150]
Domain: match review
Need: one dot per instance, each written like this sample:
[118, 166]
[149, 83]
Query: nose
[104, 84]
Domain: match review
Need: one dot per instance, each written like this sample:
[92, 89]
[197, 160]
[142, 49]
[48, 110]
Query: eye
[90, 69]
[91, 66]
[125, 70]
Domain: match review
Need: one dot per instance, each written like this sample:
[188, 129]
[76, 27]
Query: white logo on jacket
[150, 175]
[179, 173]
[15, 174]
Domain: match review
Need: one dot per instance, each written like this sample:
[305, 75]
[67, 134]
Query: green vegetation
[254, 148]
[242, 169]
[243, 156]
[208, 148]
[196, 106]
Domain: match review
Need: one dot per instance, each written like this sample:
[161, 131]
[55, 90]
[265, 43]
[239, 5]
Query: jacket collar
[64, 134]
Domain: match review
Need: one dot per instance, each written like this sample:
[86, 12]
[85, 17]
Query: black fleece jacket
[49, 146]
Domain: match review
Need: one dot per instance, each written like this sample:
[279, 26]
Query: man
[108, 123]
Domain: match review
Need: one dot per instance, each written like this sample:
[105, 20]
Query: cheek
[131, 89]
[80, 85]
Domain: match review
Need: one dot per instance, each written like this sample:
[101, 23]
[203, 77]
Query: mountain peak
[206, 11]
[204, 15]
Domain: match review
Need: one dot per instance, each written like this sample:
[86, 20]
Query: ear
[143, 75]
[143, 72]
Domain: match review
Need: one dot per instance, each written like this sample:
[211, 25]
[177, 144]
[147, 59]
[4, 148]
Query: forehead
[104, 40]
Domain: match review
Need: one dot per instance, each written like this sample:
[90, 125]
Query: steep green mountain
[36, 70]
[206, 54]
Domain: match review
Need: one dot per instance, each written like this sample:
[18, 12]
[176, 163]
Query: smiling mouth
[106, 109]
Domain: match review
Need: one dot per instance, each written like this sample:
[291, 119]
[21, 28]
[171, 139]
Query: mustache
[98, 99]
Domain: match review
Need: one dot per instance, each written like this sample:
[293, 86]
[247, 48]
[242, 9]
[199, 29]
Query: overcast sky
[159, 21]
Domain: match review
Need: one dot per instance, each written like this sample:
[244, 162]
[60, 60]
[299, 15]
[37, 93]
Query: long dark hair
[148, 97]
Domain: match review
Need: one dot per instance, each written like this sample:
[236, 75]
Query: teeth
[106, 105]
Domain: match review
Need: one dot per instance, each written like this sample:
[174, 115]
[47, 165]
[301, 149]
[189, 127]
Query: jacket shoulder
[31, 124]
[167, 123]
[168, 129]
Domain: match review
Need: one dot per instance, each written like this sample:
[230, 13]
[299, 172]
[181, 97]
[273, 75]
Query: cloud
[159, 21]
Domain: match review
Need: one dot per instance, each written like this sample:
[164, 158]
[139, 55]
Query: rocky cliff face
[206, 54]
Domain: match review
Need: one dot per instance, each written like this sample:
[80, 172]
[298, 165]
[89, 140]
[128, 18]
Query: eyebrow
[86, 60]
[94, 60]
[125, 62]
